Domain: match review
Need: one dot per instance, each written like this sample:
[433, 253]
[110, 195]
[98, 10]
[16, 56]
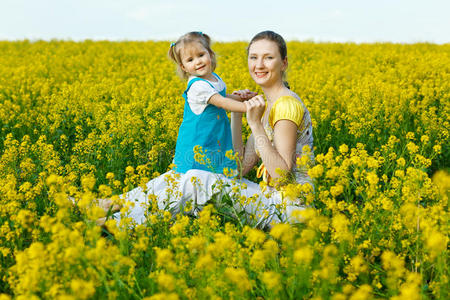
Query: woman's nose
[259, 63]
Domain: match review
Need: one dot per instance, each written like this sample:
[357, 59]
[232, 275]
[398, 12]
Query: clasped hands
[254, 103]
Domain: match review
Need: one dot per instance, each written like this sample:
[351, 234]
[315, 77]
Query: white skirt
[189, 192]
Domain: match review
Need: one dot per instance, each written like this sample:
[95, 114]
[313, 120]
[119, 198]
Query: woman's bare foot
[108, 206]
[101, 221]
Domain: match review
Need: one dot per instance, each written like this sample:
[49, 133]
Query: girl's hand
[245, 94]
[255, 109]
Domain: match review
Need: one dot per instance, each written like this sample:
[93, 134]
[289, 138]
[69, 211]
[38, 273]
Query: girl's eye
[252, 57]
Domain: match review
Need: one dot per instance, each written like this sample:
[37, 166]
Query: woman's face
[265, 64]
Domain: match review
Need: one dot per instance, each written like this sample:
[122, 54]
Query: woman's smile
[261, 74]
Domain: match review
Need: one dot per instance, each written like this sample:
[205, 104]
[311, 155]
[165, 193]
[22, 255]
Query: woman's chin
[263, 82]
[260, 80]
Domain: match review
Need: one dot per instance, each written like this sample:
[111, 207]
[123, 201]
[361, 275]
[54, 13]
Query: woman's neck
[274, 92]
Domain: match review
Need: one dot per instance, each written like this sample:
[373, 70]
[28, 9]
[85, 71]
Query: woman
[280, 130]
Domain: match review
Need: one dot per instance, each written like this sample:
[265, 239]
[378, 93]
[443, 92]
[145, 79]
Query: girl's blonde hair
[183, 41]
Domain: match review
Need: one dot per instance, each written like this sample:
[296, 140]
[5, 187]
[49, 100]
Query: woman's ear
[285, 64]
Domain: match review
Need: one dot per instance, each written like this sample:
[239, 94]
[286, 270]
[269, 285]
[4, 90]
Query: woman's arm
[250, 157]
[247, 156]
[236, 121]
[236, 134]
[281, 155]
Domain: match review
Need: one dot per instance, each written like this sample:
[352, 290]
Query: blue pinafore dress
[211, 130]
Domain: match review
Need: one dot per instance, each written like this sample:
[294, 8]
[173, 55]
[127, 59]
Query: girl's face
[196, 60]
[265, 64]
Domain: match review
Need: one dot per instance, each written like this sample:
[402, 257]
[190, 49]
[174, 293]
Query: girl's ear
[182, 67]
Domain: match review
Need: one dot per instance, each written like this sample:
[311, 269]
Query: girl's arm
[227, 103]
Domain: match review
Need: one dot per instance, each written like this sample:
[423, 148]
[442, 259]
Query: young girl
[205, 122]
[205, 126]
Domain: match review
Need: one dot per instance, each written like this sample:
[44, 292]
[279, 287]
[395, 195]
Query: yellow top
[286, 108]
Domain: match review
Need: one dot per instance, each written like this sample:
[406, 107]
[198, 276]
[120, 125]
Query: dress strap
[193, 80]
[218, 77]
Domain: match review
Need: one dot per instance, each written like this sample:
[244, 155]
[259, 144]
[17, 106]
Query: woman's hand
[255, 110]
[244, 94]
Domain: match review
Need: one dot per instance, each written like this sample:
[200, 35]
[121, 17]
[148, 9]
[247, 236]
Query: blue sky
[399, 21]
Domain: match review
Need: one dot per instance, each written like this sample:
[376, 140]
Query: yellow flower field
[96, 119]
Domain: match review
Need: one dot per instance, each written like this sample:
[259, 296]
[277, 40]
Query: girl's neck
[274, 92]
[209, 77]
